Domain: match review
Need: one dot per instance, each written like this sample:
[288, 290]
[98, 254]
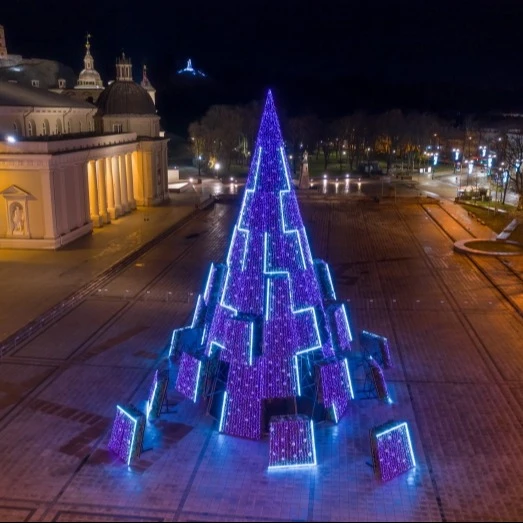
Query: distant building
[33, 72]
[67, 165]
[146, 84]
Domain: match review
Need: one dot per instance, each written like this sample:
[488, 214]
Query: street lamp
[456, 158]
[216, 168]
[10, 139]
[368, 161]
[199, 168]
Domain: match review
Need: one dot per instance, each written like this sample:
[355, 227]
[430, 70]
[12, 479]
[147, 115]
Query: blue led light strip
[265, 257]
[240, 227]
[372, 335]
[284, 225]
[222, 301]
[346, 321]
[173, 338]
[135, 421]
[207, 285]
[214, 344]
[251, 344]
[222, 417]
[313, 444]
[333, 292]
[196, 311]
[346, 365]
[150, 404]
[298, 385]
[267, 299]
[197, 381]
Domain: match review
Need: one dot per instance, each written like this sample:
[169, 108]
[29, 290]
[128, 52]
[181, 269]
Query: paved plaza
[454, 322]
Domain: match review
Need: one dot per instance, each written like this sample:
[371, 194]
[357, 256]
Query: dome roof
[89, 78]
[122, 97]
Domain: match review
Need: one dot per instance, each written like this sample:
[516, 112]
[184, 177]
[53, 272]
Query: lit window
[61, 83]
[35, 83]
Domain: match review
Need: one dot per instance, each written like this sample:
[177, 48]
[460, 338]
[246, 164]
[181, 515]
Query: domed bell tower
[146, 84]
[124, 69]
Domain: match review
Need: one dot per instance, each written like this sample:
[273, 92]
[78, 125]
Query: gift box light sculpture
[391, 449]
[127, 434]
[291, 442]
[376, 346]
[269, 311]
[157, 394]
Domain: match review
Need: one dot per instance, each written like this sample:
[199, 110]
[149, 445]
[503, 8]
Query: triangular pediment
[13, 191]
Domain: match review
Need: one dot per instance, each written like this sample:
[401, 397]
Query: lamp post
[368, 160]
[471, 168]
[216, 169]
[434, 163]
[199, 168]
[456, 159]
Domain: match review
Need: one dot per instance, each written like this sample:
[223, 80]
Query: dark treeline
[226, 135]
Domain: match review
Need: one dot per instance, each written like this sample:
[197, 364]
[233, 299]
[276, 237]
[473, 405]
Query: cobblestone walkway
[457, 345]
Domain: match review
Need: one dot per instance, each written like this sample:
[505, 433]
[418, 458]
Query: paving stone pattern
[456, 344]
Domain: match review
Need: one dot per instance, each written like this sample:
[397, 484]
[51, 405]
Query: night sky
[331, 58]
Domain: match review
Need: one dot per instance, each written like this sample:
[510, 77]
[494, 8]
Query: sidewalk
[33, 280]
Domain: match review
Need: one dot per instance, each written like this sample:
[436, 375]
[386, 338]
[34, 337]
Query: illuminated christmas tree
[268, 336]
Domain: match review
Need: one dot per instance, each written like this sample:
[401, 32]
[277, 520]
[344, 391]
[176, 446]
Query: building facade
[67, 165]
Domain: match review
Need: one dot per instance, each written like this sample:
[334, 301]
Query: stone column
[138, 182]
[129, 174]
[117, 186]
[123, 182]
[102, 196]
[93, 194]
[110, 188]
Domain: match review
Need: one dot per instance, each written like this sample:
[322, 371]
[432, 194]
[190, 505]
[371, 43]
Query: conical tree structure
[267, 336]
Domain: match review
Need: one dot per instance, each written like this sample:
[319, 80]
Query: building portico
[58, 191]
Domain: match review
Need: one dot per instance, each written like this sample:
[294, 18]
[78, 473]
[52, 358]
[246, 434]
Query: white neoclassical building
[67, 166]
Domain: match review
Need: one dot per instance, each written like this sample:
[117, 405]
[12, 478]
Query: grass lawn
[498, 221]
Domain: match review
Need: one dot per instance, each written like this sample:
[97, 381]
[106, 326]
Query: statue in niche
[17, 218]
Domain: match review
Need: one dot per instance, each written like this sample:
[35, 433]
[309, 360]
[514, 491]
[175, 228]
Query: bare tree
[390, 132]
[222, 124]
[197, 139]
[512, 151]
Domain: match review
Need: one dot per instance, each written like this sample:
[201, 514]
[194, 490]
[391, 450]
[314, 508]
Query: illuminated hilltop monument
[190, 70]
[268, 336]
